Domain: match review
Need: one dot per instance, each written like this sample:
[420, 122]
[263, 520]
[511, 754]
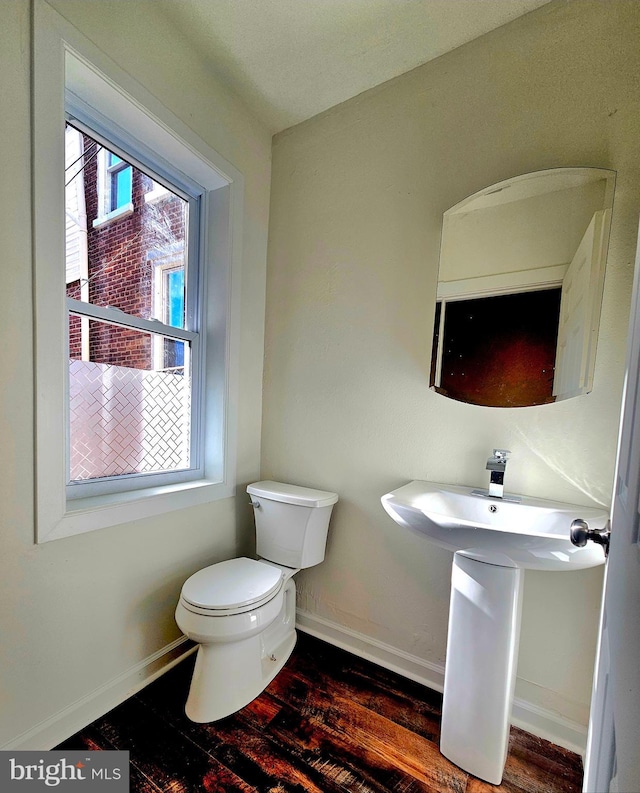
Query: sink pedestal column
[482, 653]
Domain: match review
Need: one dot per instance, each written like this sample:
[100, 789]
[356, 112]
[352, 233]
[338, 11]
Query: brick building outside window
[129, 390]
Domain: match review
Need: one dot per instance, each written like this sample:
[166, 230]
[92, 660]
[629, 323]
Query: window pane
[174, 298]
[121, 182]
[121, 262]
[126, 416]
[173, 354]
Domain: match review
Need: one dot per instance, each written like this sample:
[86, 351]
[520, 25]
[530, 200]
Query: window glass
[130, 389]
[122, 254]
[121, 184]
[125, 416]
[174, 299]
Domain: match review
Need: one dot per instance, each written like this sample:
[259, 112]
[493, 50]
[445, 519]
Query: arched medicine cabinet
[520, 287]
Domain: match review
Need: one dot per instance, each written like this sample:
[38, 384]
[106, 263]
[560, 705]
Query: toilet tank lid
[292, 494]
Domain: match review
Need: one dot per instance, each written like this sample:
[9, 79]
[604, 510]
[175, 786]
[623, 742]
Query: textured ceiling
[291, 59]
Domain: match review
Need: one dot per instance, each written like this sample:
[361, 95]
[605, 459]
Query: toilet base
[228, 676]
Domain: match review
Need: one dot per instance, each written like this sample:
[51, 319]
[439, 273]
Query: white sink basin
[532, 534]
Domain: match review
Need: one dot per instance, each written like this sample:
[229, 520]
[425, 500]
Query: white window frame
[191, 335]
[65, 61]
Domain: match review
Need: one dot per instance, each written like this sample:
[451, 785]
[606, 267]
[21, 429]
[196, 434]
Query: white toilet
[242, 611]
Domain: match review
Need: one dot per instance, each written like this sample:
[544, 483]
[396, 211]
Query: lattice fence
[126, 421]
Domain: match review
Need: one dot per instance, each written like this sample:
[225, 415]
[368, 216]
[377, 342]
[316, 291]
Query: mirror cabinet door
[520, 287]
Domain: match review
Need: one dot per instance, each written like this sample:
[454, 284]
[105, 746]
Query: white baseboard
[405, 664]
[57, 728]
[526, 715]
[74, 717]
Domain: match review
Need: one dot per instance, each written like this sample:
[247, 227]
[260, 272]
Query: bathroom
[340, 243]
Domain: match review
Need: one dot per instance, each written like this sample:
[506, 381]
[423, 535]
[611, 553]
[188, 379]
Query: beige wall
[76, 614]
[357, 198]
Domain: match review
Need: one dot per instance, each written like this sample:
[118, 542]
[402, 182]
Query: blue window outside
[121, 181]
[174, 307]
[175, 298]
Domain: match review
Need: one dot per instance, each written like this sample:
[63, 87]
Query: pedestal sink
[493, 540]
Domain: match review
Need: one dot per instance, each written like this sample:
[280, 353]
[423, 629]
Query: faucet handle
[501, 454]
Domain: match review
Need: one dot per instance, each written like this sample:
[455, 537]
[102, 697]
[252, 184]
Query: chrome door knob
[580, 534]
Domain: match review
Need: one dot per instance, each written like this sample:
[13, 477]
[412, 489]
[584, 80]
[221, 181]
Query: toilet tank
[291, 522]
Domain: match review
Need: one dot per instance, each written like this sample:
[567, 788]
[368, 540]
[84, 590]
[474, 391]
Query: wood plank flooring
[330, 722]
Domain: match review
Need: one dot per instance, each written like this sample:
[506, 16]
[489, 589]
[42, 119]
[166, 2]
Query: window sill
[157, 194]
[116, 214]
[99, 512]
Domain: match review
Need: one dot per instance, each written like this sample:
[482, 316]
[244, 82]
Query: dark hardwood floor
[330, 722]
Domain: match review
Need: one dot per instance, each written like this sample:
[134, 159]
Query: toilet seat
[231, 587]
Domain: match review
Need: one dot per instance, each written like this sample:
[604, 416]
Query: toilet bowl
[242, 611]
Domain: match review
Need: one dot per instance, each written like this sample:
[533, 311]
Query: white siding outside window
[76, 213]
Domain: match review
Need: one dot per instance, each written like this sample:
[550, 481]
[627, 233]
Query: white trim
[124, 101]
[564, 178]
[502, 283]
[526, 715]
[117, 317]
[437, 374]
[549, 725]
[121, 212]
[101, 511]
[120, 97]
[74, 717]
[405, 664]
[157, 193]
[55, 729]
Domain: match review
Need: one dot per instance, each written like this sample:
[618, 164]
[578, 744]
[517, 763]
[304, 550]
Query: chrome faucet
[497, 464]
